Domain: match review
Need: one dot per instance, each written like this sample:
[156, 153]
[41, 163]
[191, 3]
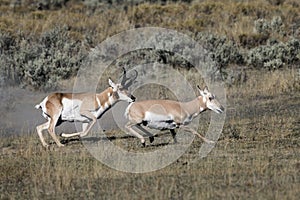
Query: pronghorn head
[210, 100]
[121, 89]
[120, 92]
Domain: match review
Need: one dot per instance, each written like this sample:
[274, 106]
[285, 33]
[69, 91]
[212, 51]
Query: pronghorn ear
[201, 91]
[111, 83]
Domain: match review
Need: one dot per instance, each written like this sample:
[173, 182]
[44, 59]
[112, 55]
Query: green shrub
[274, 56]
[33, 53]
[222, 50]
[251, 40]
[265, 27]
[41, 63]
[7, 49]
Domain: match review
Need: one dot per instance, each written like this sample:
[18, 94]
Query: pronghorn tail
[37, 106]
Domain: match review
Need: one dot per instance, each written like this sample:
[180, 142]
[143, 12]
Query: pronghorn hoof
[151, 139]
[143, 144]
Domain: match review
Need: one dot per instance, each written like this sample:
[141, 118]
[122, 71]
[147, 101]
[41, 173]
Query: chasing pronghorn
[167, 114]
[82, 107]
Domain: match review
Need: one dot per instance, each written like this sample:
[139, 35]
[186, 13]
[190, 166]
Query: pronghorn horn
[131, 80]
[125, 79]
[205, 88]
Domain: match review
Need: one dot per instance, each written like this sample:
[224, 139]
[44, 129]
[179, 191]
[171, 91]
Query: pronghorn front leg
[173, 135]
[151, 137]
[195, 132]
[89, 115]
[86, 127]
[129, 126]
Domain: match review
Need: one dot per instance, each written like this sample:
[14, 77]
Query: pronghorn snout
[133, 98]
[215, 106]
[220, 110]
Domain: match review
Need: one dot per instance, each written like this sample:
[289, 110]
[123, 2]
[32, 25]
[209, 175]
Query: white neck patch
[201, 109]
[204, 99]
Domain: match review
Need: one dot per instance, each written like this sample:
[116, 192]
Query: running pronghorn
[82, 107]
[167, 114]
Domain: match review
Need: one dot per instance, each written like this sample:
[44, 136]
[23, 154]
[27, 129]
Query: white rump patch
[43, 107]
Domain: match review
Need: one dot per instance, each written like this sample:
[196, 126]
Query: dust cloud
[19, 116]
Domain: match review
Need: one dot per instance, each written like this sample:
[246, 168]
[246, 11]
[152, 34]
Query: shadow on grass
[77, 140]
[94, 139]
[159, 145]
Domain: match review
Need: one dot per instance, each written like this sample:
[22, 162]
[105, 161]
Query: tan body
[82, 107]
[179, 113]
[167, 114]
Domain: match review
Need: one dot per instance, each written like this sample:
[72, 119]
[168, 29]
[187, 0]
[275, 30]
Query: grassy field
[257, 156]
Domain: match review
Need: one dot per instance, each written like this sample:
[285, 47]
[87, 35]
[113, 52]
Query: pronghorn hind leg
[54, 109]
[173, 135]
[89, 115]
[200, 136]
[40, 129]
[51, 130]
[67, 135]
[151, 137]
[129, 126]
[84, 127]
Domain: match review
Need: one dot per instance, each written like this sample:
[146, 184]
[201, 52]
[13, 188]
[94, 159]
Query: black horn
[129, 80]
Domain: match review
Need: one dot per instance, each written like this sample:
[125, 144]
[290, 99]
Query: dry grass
[264, 82]
[257, 157]
[231, 18]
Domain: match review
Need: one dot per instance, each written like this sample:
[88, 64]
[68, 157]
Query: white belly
[71, 111]
[161, 125]
[160, 122]
[150, 116]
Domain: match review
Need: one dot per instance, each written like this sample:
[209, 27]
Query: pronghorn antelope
[82, 107]
[167, 114]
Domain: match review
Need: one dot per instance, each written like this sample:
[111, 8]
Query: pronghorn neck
[202, 104]
[196, 106]
[107, 98]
